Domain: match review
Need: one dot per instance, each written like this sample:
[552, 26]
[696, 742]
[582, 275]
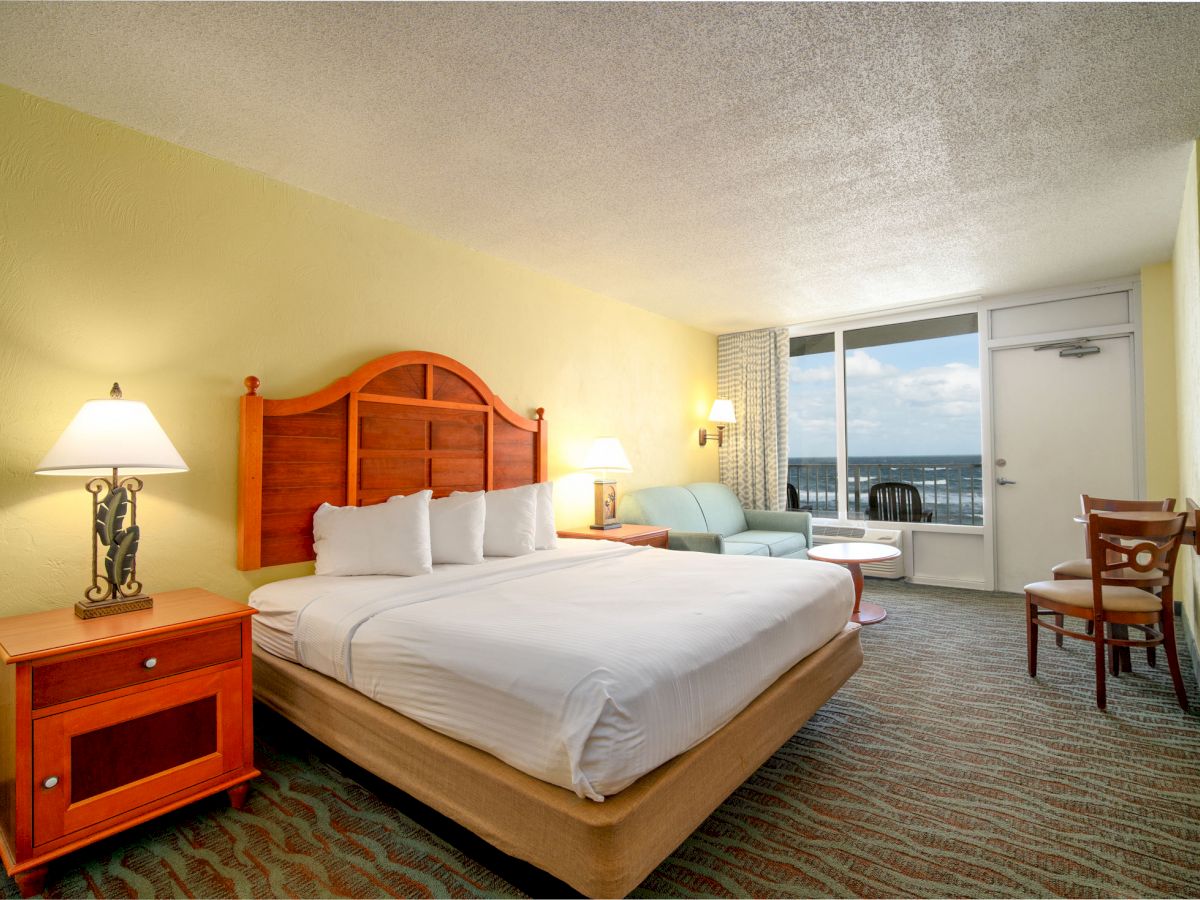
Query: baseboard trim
[1193, 647]
[964, 583]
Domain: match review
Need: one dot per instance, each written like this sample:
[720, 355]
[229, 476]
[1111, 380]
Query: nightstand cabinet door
[95, 763]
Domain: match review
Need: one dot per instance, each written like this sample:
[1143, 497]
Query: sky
[917, 398]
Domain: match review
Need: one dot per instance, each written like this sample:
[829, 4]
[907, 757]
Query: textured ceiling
[725, 165]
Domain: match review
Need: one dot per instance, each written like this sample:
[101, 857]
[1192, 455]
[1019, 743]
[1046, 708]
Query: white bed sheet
[586, 666]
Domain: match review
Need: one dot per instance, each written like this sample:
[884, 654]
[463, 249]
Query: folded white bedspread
[586, 666]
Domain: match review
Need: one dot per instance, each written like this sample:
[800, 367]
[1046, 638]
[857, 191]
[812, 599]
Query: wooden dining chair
[1108, 598]
[1082, 568]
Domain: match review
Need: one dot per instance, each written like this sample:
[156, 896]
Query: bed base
[601, 849]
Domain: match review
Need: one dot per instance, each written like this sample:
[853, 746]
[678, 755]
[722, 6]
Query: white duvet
[585, 666]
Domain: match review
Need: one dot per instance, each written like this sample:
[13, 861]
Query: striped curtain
[752, 371]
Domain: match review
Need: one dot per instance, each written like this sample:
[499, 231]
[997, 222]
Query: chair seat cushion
[1079, 593]
[745, 548]
[1082, 568]
[778, 543]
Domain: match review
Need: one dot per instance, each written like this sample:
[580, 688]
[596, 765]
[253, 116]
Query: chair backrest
[1142, 545]
[1102, 504]
[793, 497]
[894, 501]
[722, 510]
[675, 507]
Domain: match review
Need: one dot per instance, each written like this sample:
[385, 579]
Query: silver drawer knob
[50, 782]
[151, 662]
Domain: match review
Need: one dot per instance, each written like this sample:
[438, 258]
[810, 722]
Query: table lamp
[107, 436]
[722, 414]
[606, 455]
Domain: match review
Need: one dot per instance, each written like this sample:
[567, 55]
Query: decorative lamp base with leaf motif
[116, 588]
[107, 436]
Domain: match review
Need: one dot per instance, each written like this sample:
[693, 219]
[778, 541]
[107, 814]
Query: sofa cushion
[778, 543]
[745, 548]
[674, 507]
[721, 508]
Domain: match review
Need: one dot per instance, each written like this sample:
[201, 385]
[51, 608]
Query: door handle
[1003, 480]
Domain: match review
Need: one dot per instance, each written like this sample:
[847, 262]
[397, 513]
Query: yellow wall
[1158, 355]
[1186, 266]
[123, 257]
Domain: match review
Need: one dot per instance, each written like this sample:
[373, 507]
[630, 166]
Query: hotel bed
[582, 708]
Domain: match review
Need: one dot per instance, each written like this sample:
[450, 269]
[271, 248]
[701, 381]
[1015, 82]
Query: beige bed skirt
[601, 849]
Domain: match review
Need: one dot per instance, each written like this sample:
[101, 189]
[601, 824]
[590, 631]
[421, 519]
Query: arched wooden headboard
[399, 424]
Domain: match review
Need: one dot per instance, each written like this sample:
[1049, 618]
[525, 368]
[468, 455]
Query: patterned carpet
[940, 770]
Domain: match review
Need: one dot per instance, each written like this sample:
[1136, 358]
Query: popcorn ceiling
[730, 166]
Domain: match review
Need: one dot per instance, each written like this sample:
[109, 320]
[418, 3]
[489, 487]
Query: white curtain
[752, 371]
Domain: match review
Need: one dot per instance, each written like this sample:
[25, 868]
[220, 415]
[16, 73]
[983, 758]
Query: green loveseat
[708, 517]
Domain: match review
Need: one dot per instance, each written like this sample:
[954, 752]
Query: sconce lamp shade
[722, 411]
[112, 434]
[606, 453]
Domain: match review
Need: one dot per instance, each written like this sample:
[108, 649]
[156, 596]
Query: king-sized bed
[582, 707]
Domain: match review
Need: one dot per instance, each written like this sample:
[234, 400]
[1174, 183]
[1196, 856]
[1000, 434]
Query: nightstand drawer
[649, 540]
[95, 673]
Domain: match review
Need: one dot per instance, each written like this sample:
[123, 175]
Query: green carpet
[941, 769]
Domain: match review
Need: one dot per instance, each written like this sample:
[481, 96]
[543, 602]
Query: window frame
[923, 312]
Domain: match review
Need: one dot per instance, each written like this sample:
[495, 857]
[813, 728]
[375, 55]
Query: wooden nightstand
[647, 535]
[108, 722]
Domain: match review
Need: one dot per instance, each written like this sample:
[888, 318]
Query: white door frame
[1132, 329]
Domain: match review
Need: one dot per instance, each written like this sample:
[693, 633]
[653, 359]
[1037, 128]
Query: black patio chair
[896, 501]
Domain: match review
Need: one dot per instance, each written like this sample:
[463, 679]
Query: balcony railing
[953, 490]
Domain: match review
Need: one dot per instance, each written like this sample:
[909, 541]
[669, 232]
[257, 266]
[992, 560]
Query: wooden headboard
[400, 424]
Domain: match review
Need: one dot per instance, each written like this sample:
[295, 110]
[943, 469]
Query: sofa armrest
[781, 520]
[702, 541]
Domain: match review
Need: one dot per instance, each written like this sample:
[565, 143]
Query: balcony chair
[1108, 598]
[896, 501]
[793, 500]
[1082, 568]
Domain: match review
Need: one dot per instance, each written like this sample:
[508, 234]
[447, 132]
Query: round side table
[853, 557]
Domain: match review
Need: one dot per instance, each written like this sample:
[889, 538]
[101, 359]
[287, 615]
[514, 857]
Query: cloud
[808, 376]
[861, 364]
[928, 410]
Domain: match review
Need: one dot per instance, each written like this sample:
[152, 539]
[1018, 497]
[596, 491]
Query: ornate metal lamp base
[94, 609]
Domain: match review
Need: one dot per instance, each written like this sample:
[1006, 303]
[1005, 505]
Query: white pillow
[508, 528]
[545, 536]
[456, 527]
[385, 539]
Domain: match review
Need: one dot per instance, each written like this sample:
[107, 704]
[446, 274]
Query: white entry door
[1061, 427]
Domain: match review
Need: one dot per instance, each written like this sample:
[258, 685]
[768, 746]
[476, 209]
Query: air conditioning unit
[840, 533]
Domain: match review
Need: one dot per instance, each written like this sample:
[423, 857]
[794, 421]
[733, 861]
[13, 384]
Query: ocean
[950, 485]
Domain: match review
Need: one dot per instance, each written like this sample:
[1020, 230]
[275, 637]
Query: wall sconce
[606, 455]
[722, 414]
[104, 437]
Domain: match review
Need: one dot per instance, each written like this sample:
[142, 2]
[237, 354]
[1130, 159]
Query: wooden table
[853, 557]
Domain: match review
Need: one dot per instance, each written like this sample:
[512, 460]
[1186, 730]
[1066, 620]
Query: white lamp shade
[112, 434]
[607, 453]
[722, 411]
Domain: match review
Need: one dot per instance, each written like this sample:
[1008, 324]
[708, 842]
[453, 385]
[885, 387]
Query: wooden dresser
[108, 722]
